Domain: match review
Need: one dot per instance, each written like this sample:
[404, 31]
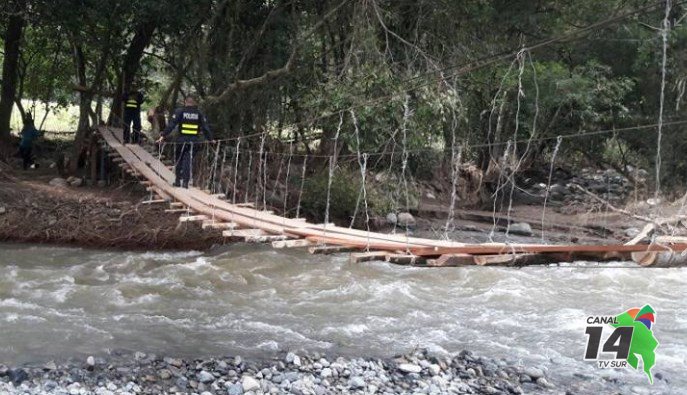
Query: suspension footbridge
[244, 221]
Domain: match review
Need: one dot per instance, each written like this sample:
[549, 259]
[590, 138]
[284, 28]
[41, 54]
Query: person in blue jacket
[191, 124]
[132, 116]
[28, 135]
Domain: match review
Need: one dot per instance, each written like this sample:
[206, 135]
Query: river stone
[409, 368]
[391, 219]
[520, 228]
[434, 369]
[3, 210]
[59, 182]
[325, 373]
[406, 219]
[165, 374]
[542, 382]
[17, 376]
[356, 382]
[249, 384]
[205, 377]
[235, 389]
[90, 361]
[533, 372]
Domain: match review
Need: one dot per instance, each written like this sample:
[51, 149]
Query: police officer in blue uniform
[132, 115]
[191, 123]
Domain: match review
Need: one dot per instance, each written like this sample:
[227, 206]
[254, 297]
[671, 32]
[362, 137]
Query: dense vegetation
[474, 76]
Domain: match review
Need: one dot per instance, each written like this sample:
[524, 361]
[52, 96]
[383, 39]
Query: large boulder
[520, 228]
[405, 219]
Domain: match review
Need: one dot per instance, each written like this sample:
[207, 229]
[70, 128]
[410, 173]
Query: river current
[59, 303]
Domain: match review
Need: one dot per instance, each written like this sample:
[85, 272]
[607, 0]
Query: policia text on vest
[132, 117]
[191, 123]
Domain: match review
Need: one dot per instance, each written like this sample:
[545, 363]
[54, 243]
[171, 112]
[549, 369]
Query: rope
[360, 163]
[548, 186]
[300, 194]
[664, 36]
[236, 171]
[286, 178]
[332, 164]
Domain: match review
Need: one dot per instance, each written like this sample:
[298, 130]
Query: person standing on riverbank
[132, 116]
[28, 135]
[191, 123]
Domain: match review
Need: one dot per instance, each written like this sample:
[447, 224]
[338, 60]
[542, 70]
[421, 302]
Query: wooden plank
[176, 205]
[192, 218]
[292, 243]
[367, 256]
[243, 233]
[177, 210]
[154, 201]
[265, 238]
[251, 205]
[328, 250]
[452, 260]
[220, 225]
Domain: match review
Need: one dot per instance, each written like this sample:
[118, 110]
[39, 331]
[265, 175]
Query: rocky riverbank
[416, 373]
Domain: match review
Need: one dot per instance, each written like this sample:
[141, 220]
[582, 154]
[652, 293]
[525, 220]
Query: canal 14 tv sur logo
[623, 341]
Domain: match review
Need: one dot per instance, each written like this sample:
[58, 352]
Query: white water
[58, 303]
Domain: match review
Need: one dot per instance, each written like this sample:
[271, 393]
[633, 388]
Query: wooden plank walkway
[256, 225]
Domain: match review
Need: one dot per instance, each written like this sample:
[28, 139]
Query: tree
[12, 38]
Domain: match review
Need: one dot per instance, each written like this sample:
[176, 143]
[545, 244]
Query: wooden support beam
[452, 260]
[404, 259]
[514, 259]
[192, 218]
[359, 257]
[265, 238]
[328, 250]
[292, 243]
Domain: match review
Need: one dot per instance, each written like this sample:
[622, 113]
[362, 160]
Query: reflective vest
[190, 122]
[131, 102]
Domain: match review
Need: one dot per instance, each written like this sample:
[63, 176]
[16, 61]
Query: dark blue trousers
[184, 151]
[132, 134]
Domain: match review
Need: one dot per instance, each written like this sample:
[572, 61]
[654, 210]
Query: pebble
[416, 373]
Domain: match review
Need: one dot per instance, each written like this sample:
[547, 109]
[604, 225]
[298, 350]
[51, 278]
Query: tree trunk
[84, 107]
[10, 62]
[132, 61]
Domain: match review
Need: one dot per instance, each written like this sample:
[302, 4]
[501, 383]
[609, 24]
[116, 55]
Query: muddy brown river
[58, 303]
